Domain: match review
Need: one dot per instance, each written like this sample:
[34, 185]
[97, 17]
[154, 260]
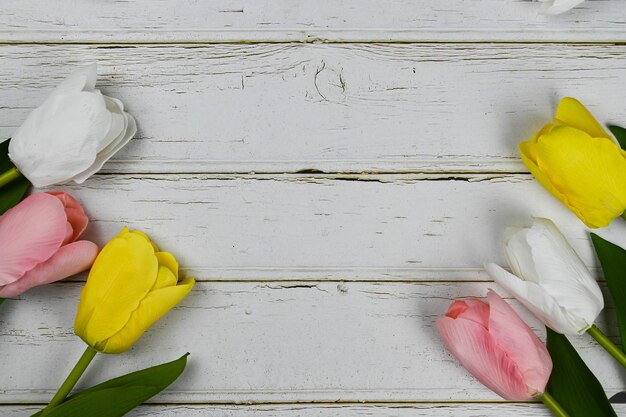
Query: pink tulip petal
[477, 351]
[78, 219]
[520, 343]
[456, 309]
[69, 260]
[470, 309]
[69, 233]
[30, 233]
[75, 214]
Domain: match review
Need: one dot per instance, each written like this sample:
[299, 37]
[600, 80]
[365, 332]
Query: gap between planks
[322, 167]
[401, 403]
[331, 409]
[312, 175]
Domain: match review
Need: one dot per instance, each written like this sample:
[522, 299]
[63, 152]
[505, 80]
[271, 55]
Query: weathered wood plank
[270, 342]
[335, 108]
[335, 410]
[387, 227]
[291, 20]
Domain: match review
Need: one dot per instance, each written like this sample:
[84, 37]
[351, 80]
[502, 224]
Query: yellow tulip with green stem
[131, 285]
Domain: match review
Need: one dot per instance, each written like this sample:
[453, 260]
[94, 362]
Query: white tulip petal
[519, 254]
[538, 301]
[118, 123]
[59, 139]
[563, 274]
[109, 151]
[560, 6]
[547, 241]
[82, 79]
[615, 232]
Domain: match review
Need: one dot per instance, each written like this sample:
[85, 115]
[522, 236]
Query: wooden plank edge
[343, 35]
[313, 275]
[366, 409]
[446, 164]
[322, 396]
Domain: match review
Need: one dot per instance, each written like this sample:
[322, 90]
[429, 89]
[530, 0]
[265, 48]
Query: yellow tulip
[580, 164]
[131, 285]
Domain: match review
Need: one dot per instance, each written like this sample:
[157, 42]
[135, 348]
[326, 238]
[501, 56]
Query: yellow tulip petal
[168, 271]
[168, 260]
[545, 129]
[165, 278]
[145, 236]
[572, 113]
[528, 149]
[154, 306]
[589, 172]
[120, 278]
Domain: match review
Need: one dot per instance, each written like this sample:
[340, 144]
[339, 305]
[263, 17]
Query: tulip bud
[38, 242]
[131, 285]
[493, 343]
[579, 163]
[72, 134]
[549, 278]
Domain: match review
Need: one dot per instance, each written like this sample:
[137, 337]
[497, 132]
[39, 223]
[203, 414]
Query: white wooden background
[333, 172]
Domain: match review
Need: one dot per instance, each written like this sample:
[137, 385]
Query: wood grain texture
[321, 285]
[386, 227]
[271, 342]
[292, 20]
[334, 410]
[334, 108]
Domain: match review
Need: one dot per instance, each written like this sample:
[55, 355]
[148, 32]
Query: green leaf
[12, 193]
[572, 384]
[613, 261]
[620, 135]
[118, 396]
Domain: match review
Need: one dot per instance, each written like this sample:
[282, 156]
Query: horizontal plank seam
[313, 282]
[260, 36]
[305, 283]
[347, 402]
[320, 174]
[377, 166]
[343, 175]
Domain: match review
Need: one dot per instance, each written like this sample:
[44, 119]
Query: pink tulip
[497, 347]
[38, 242]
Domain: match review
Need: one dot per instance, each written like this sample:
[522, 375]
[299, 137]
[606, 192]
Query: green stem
[8, 176]
[71, 379]
[624, 215]
[553, 405]
[609, 346]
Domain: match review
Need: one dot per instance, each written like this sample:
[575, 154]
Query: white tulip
[559, 6]
[549, 278]
[72, 134]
